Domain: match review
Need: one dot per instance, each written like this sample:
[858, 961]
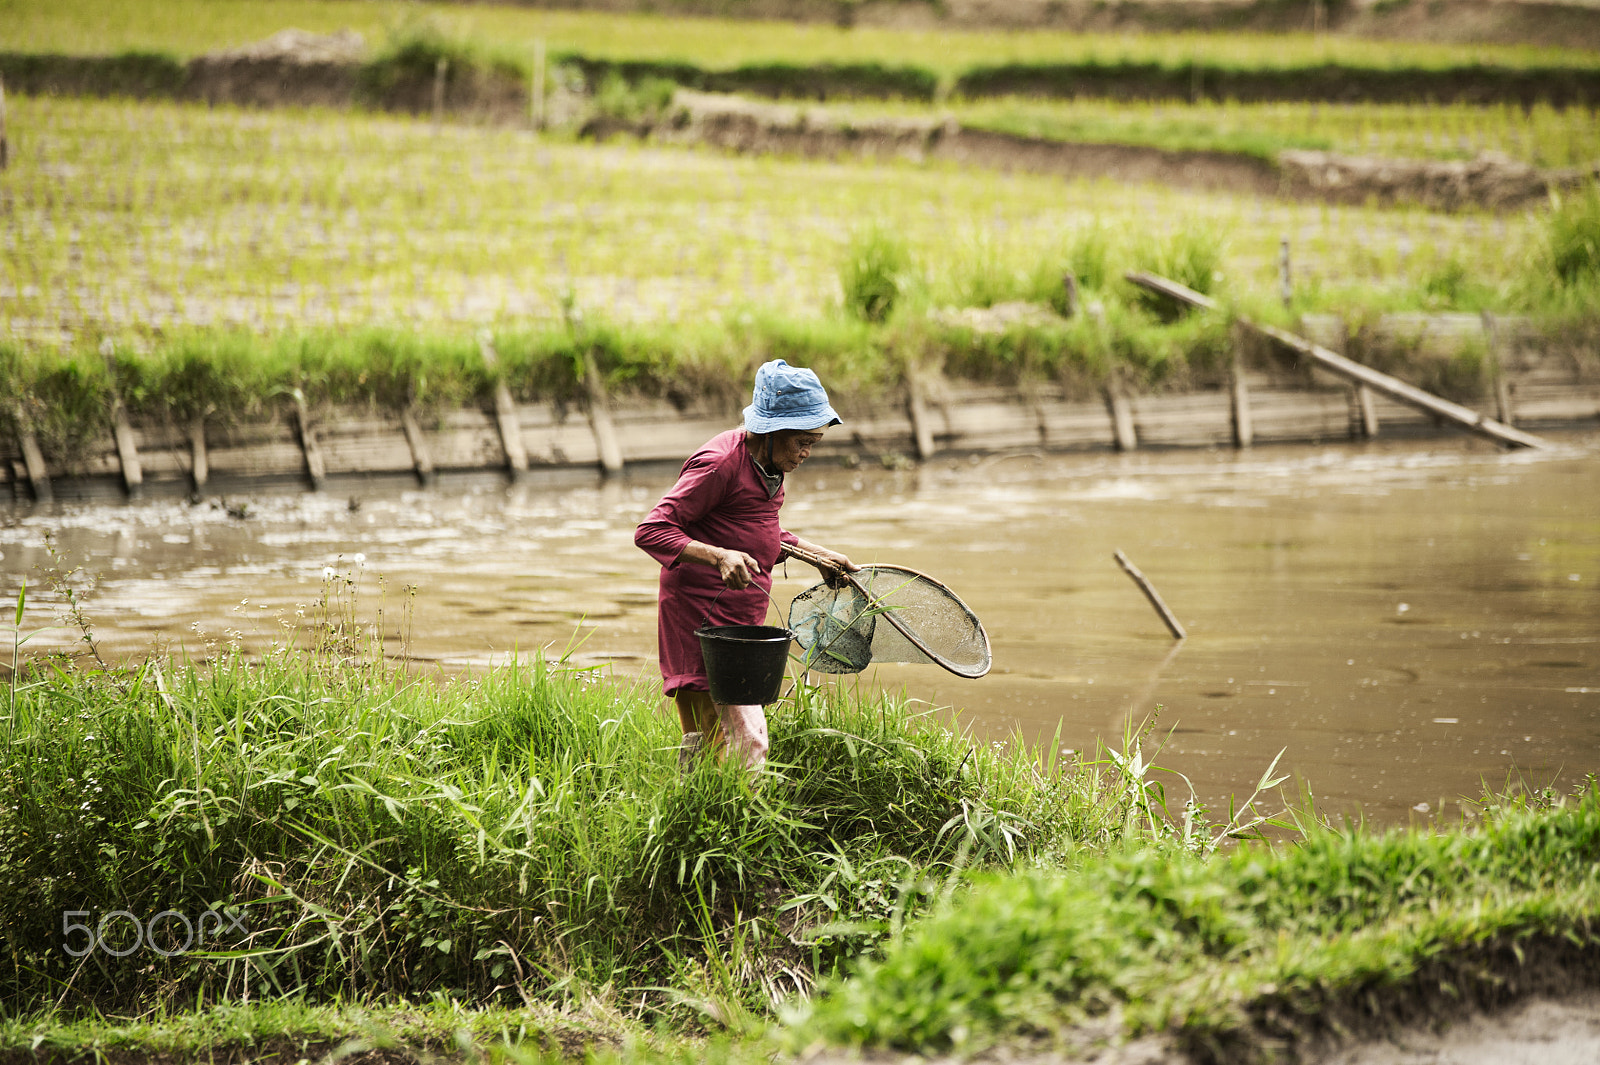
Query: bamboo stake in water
[1151, 594]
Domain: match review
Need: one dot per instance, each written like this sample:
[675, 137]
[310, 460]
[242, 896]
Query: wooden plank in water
[989, 420]
[1195, 419]
[264, 449]
[362, 442]
[1293, 416]
[467, 438]
[1063, 423]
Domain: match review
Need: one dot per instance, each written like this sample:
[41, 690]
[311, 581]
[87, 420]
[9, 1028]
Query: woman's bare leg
[697, 714]
[746, 730]
[696, 711]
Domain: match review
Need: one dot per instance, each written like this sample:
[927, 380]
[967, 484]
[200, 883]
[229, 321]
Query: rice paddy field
[131, 220]
[191, 27]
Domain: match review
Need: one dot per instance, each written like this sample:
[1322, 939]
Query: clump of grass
[636, 102]
[1191, 255]
[1232, 953]
[1572, 238]
[875, 273]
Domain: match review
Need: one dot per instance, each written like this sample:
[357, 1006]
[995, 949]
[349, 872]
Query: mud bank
[1273, 399]
[746, 126]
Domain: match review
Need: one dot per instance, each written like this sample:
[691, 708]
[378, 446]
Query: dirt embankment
[740, 125]
[290, 69]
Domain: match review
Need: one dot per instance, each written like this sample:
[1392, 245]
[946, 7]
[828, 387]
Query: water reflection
[1407, 620]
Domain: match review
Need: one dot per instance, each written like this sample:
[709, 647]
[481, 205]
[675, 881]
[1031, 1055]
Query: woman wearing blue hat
[717, 537]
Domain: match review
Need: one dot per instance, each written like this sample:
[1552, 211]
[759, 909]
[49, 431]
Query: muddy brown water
[1408, 621]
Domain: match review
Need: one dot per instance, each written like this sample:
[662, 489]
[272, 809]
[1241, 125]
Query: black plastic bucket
[744, 663]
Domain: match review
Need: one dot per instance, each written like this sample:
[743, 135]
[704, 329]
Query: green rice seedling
[875, 273]
[1572, 238]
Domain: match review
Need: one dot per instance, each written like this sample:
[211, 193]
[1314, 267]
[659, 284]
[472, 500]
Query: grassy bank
[519, 837]
[1263, 948]
[510, 868]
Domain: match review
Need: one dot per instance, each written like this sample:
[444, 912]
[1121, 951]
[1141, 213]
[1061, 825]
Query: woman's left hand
[838, 563]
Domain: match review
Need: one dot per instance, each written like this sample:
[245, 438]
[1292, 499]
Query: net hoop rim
[916, 641]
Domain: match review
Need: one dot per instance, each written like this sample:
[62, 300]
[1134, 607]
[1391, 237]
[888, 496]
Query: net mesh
[887, 614]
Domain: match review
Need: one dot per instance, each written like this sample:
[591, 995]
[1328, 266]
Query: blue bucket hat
[788, 397]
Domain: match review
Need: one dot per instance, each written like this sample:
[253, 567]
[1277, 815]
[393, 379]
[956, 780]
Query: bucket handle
[705, 618]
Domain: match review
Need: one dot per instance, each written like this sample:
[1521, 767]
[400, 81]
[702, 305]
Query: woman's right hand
[737, 568]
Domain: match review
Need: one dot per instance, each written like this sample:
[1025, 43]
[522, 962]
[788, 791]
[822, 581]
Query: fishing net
[887, 614]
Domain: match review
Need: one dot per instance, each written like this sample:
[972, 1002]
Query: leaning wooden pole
[122, 429]
[1150, 593]
[32, 457]
[605, 430]
[316, 469]
[1332, 361]
[505, 412]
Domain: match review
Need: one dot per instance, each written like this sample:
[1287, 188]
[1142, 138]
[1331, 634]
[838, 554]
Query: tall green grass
[522, 835]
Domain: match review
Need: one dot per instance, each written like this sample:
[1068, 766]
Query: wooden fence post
[1366, 419]
[121, 430]
[505, 412]
[1244, 431]
[32, 457]
[1122, 428]
[199, 459]
[605, 431]
[917, 409]
[1505, 408]
[315, 469]
[421, 460]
